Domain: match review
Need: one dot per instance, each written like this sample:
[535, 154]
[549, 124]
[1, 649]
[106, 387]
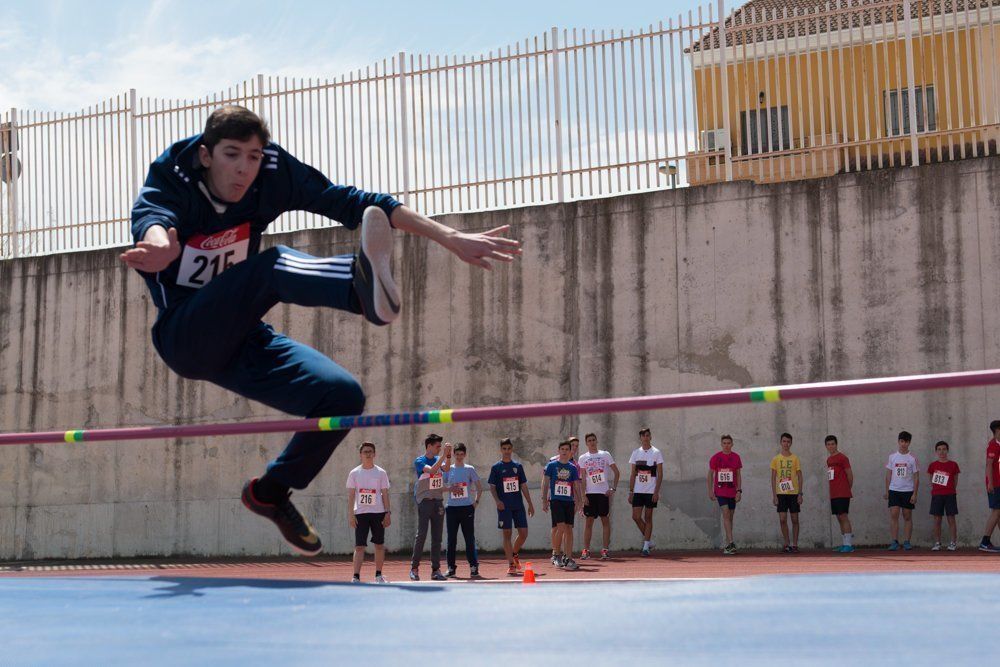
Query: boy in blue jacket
[197, 226]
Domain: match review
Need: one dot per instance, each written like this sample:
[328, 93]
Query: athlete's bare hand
[386, 522]
[155, 252]
[480, 247]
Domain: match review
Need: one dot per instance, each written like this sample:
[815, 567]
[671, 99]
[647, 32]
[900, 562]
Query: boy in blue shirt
[197, 227]
[509, 484]
[462, 481]
[428, 492]
[561, 491]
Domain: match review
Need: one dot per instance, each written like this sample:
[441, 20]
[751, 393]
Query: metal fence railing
[771, 91]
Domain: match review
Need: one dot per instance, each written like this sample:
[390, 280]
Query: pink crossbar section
[816, 390]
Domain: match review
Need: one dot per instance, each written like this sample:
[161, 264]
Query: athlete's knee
[344, 396]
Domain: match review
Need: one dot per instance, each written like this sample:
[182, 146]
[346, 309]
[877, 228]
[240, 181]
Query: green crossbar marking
[756, 396]
[74, 436]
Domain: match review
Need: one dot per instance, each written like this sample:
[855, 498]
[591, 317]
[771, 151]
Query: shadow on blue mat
[196, 586]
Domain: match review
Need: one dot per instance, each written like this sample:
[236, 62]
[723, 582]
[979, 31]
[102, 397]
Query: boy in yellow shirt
[786, 491]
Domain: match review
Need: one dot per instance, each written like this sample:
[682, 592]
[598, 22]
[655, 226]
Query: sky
[63, 55]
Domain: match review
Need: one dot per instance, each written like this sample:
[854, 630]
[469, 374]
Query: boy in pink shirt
[725, 486]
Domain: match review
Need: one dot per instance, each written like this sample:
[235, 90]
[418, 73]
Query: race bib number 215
[206, 257]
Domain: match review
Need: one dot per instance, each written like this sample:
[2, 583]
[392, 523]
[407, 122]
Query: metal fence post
[260, 95]
[403, 135]
[133, 140]
[12, 185]
[557, 112]
[723, 64]
[911, 89]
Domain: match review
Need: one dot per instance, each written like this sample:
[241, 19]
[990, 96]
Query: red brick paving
[668, 565]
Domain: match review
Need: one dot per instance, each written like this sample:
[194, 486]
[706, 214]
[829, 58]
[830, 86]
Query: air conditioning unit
[713, 140]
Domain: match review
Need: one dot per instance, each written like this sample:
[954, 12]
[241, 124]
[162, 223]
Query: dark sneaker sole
[373, 281]
[260, 509]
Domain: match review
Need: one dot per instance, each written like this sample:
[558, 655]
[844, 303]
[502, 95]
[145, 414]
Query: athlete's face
[831, 447]
[904, 446]
[646, 439]
[367, 454]
[727, 445]
[460, 458]
[506, 452]
[592, 445]
[786, 444]
[231, 167]
[942, 452]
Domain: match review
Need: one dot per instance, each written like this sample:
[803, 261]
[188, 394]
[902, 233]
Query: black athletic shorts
[840, 506]
[597, 505]
[562, 511]
[643, 500]
[944, 505]
[726, 502]
[901, 499]
[369, 522]
[788, 502]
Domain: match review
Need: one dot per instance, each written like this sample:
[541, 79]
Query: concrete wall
[883, 273]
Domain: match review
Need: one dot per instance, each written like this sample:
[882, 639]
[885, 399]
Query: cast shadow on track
[196, 586]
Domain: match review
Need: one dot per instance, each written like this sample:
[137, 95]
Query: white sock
[848, 537]
[645, 544]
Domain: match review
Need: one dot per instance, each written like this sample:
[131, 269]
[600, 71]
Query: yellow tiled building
[815, 89]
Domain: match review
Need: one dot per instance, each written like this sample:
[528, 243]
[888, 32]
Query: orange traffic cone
[529, 574]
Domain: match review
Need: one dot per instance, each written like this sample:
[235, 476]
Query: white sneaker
[952, 546]
[373, 282]
[380, 580]
[936, 547]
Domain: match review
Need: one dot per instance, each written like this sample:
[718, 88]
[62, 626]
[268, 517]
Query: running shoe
[894, 546]
[437, 576]
[517, 563]
[380, 580]
[795, 549]
[585, 554]
[645, 551]
[846, 549]
[556, 560]
[786, 549]
[952, 546]
[451, 573]
[373, 282]
[293, 526]
[988, 547]
[570, 564]
[414, 576]
[356, 579]
[907, 546]
[605, 554]
[936, 547]
[730, 550]
[513, 571]
[474, 571]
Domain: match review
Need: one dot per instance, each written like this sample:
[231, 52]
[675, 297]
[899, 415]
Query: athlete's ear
[204, 156]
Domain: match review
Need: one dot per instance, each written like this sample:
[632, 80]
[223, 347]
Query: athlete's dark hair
[787, 435]
[726, 437]
[904, 436]
[830, 438]
[460, 447]
[234, 122]
[571, 438]
[589, 436]
[565, 442]
[506, 441]
[366, 444]
[942, 442]
[431, 439]
[994, 425]
[644, 430]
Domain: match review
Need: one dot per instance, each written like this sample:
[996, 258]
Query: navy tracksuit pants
[217, 335]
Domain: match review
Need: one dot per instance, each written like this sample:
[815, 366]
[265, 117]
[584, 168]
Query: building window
[765, 130]
[897, 116]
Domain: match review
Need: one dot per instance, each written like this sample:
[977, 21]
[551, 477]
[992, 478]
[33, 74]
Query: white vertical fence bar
[847, 85]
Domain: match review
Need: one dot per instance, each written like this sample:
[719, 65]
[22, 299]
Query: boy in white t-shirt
[644, 486]
[368, 503]
[902, 479]
[597, 466]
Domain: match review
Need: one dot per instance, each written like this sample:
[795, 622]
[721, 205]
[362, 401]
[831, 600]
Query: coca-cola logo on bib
[219, 240]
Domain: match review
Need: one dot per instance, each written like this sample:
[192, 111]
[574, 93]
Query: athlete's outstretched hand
[478, 248]
[158, 248]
